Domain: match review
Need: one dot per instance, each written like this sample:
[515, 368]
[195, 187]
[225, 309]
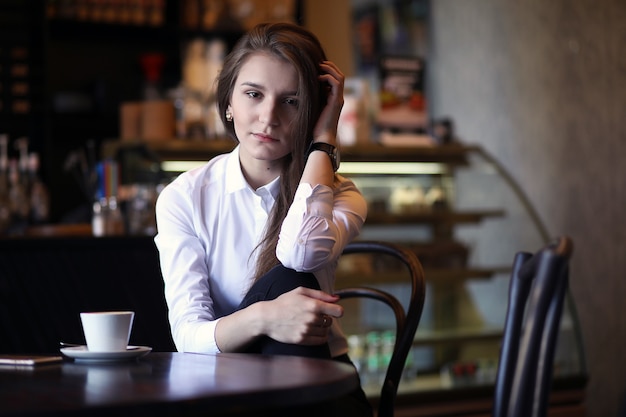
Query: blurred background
[540, 86]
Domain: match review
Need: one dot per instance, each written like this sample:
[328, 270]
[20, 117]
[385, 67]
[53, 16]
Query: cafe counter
[46, 282]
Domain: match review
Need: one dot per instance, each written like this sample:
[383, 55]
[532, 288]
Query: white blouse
[209, 221]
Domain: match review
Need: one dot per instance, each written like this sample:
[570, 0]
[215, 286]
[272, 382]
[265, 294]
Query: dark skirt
[270, 286]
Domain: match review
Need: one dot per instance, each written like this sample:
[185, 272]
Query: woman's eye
[253, 94]
[291, 101]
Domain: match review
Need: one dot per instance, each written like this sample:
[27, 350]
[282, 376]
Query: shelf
[458, 274]
[439, 275]
[185, 150]
[432, 217]
[459, 335]
[453, 154]
[85, 31]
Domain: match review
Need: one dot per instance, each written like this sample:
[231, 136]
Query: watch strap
[331, 150]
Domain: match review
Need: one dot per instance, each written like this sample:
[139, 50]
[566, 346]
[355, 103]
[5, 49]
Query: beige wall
[330, 21]
[542, 86]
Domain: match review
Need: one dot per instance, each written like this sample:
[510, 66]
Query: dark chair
[406, 321]
[536, 296]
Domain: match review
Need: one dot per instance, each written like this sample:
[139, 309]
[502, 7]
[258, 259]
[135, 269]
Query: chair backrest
[536, 296]
[406, 321]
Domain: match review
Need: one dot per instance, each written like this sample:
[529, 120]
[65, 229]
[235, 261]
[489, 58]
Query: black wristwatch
[331, 150]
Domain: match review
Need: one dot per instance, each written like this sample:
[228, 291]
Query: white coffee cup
[107, 331]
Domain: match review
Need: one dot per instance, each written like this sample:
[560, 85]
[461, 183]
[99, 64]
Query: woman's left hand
[326, 127]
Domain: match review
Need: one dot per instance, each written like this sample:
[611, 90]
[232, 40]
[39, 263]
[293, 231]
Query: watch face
[337, 159]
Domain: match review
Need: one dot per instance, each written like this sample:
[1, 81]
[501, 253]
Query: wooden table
[175, 384]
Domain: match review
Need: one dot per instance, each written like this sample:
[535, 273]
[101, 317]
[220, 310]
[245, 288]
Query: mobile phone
[28, 360]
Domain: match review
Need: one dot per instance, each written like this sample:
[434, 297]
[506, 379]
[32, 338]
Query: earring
[229, 116]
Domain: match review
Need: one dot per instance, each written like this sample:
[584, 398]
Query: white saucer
[80, 353]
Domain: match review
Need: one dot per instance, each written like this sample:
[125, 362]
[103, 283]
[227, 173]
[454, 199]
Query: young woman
[249, 242]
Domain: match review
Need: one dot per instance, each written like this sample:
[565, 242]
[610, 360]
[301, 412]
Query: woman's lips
[264, 138]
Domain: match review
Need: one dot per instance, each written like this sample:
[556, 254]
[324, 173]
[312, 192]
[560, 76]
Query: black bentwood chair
[406, 321]
[536, 296]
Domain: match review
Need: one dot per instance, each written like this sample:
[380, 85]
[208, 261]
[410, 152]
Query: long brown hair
[302, 49]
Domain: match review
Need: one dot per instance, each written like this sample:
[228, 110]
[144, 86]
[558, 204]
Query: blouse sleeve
[319, 224]
[182, 260]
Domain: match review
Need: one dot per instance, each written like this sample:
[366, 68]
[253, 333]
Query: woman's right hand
[302, 316]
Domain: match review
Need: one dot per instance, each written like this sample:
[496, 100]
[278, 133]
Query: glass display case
[465, 217]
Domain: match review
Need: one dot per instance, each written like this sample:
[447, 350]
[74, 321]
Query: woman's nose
[269, 113]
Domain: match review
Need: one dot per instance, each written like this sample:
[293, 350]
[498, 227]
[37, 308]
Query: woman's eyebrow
[252, 84]
[261, 87]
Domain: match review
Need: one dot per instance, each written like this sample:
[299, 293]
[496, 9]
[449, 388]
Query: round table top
[173, 383]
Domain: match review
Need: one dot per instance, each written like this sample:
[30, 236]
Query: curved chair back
[536, 296]
[406, 321]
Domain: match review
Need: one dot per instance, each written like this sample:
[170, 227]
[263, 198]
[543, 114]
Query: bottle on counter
[97, 219]
[114, 225]
[107, 218]
[19, 203]
[5, 211]
[39, 194]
